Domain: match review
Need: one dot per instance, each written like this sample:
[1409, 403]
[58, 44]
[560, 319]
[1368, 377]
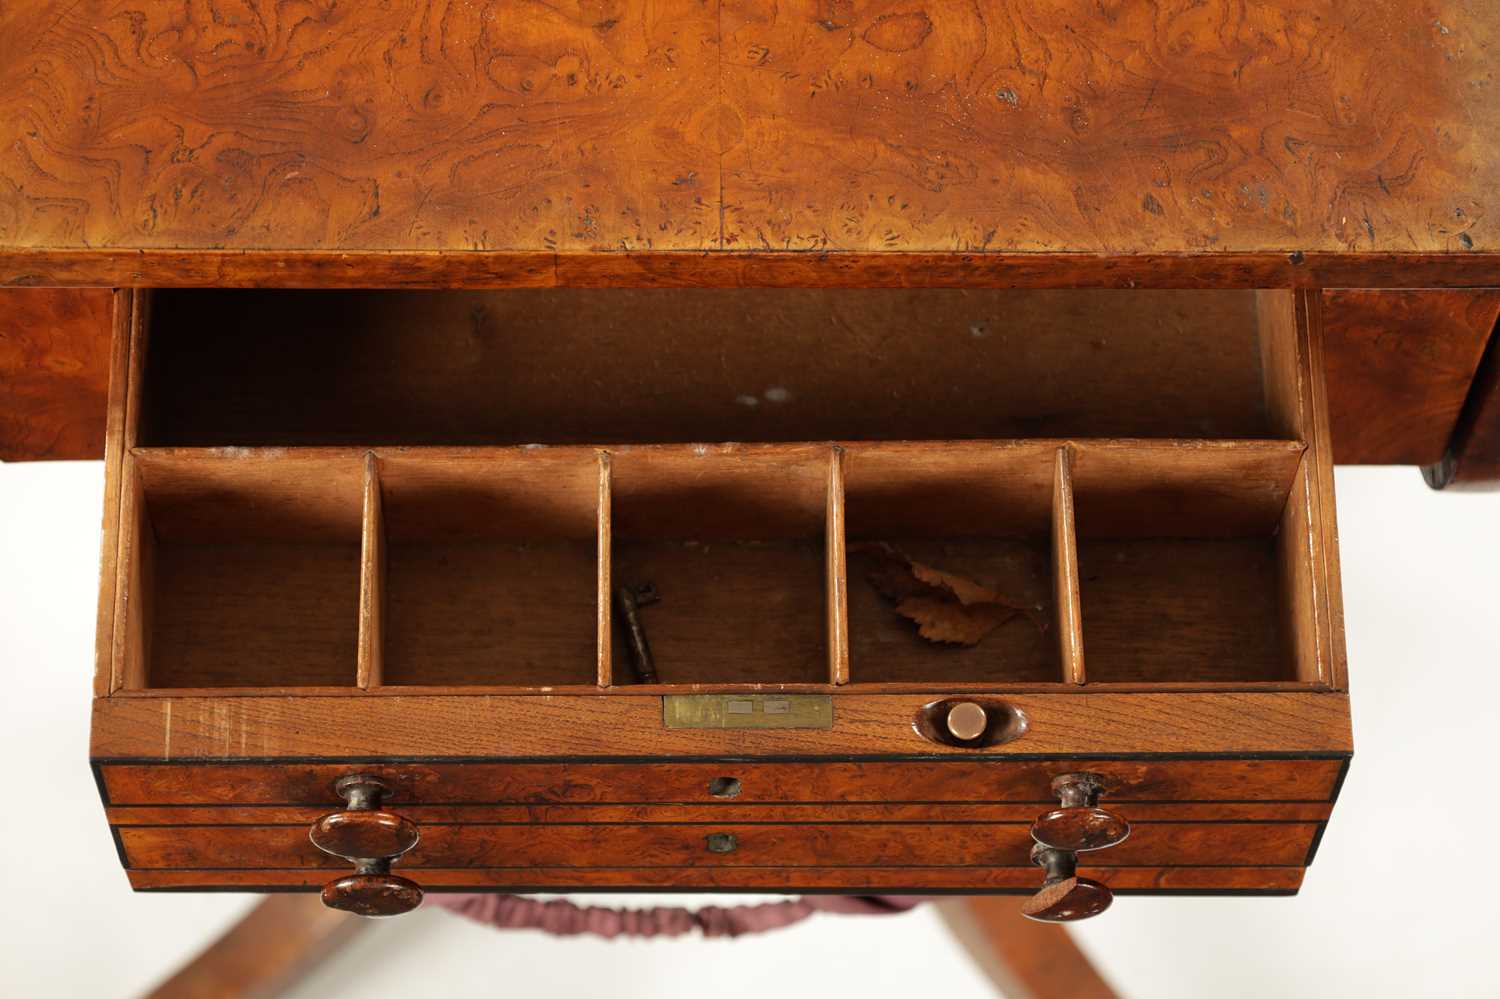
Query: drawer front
[851, 880]
[1229, 780]
[872, 844]
[790, 813]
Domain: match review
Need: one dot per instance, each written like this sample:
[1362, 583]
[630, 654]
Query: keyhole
[724, 787]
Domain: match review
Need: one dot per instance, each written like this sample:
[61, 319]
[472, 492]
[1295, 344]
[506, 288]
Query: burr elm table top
[1021, 142]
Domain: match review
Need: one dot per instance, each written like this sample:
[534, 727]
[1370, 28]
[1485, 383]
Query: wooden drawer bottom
[847, 880]
[735, 845]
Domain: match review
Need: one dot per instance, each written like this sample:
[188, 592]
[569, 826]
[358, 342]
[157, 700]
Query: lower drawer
[845, 880]
[951, 780]
[720, 845]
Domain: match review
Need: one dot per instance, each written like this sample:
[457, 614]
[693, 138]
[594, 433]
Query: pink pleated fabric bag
[560, 917]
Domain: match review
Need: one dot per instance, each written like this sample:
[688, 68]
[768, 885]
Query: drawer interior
[1181, 576]
[1165, 608]
[244, 573]
[576, 366]
[733, 543]
[985, 513]
[488, 571]
[411, 489]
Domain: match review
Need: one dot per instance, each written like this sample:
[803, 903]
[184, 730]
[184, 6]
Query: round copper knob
[1080, 824]
[1064, 896]
[370, 837]
[967, 721]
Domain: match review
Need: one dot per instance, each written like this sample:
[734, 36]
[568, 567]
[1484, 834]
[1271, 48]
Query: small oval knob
[970, 722]
[1080, 824]
[1064, 896]
[371, 838]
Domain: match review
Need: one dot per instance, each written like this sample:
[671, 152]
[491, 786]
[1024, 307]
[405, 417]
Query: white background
[1396, 905]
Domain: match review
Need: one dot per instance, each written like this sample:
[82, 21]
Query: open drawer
[429, 529]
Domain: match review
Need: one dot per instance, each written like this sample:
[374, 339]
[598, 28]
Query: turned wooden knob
[357, 835]
[371, 838]
[1064, 896]
[1080, 824]
[373, 894]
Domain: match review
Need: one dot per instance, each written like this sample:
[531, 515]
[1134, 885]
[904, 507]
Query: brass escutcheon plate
[747, 710]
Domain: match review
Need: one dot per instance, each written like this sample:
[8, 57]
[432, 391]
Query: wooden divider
[372, 587]
[605, 662]
[837, 583]
[1066, 612]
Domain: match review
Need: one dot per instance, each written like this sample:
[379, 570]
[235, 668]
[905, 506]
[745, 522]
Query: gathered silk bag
[563, 918]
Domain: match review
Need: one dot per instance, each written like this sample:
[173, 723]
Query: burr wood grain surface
[851, 880]
[54, 372]
[1399, 367]
[869, 844]
[150, 141]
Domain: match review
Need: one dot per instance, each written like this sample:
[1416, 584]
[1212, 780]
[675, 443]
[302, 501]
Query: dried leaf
[965, 590]
[940, 619]
[890, 572]
[945, 606]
